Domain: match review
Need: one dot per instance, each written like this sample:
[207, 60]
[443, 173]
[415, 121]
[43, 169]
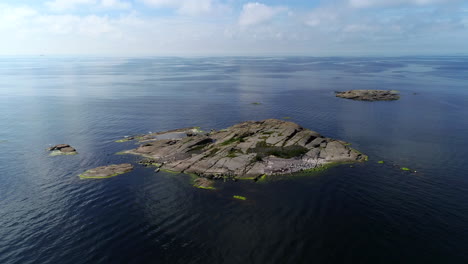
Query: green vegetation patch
[198, 148]
[213, 151]
[169, 171]
[323, 167]
[380, 162]
[123, 140]
[233, 153]
[205, 188]
[262, 149]
[239, 197]
[232, 140]
[405, 169]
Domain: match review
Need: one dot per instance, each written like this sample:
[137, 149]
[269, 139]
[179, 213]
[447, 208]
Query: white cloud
[390, 3]
[335, 27]
[115, 4]
[324, 17]
[63, 5]
[256, 13]
[190, 7]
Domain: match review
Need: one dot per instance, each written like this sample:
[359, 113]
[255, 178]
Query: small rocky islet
[248, 150]
[62, 149]
[108, 171]
[369, 95]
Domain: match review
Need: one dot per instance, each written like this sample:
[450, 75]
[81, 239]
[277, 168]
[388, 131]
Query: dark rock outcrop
[246, 150]
[370, 95]
[107, 171]
[62, 149]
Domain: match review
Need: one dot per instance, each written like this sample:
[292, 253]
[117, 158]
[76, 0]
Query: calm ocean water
[369, 213]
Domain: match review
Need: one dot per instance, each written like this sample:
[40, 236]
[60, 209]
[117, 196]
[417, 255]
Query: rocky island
[107, 171]
[370, 95]
[62, 149]
[248, 150]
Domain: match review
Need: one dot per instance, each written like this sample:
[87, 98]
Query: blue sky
[234, 27]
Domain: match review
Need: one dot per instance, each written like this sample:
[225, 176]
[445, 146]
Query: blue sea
[365, 213]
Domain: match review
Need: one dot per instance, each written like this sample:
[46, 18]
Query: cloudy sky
[234, 27]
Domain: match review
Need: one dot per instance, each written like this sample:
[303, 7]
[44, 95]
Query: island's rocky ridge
[370, 95]
[246, 150]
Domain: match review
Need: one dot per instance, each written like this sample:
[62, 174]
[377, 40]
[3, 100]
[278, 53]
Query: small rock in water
[107, 171]
[370, 95]
[62, 149]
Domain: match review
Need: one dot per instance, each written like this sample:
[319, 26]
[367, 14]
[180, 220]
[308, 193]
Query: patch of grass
[262, 178]
[239, 197]
[205, 188]
[263, 150]
[122, 140]
[405, 169]
[323, 167]
[232, 140]
[213, 151]
[380, 162]
[170, 171]
[232, 153]
[197, 148]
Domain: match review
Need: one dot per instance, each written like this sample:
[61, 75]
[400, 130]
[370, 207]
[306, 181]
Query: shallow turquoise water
[369, 213]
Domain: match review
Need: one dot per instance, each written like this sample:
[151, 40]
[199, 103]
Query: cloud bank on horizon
[234, 27]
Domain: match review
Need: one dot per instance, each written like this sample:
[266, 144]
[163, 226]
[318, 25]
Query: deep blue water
[369, 213]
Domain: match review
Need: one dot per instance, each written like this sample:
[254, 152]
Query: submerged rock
[204, 183]
[247, 150]
[62, 149]
[370, 95]
[107, 171]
